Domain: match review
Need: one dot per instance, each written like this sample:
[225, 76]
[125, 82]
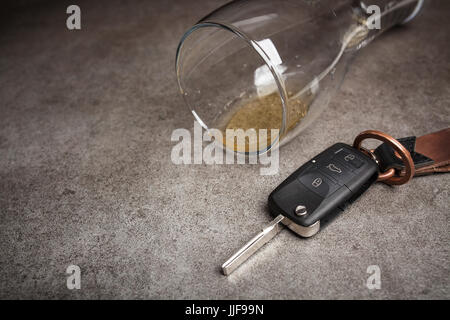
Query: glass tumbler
[261, 64]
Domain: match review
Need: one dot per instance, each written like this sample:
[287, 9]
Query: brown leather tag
[435, 146]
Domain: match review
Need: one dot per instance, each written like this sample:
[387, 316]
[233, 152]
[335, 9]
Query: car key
[312, 196]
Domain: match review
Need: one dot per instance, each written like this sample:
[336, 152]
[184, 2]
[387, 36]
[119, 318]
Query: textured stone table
[86, 176]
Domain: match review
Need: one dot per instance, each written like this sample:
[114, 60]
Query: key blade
[267, 234]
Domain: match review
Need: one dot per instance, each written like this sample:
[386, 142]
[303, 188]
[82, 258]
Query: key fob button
[336, 170]
[349, 159]
[318, 183]
[288, 196]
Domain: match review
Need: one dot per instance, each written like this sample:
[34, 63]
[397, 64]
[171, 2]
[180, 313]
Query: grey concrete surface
[86, 176]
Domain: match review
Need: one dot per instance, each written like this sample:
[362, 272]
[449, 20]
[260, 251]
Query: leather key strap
[430, 154]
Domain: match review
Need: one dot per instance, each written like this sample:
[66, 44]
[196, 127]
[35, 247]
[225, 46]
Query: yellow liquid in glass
[264, 113]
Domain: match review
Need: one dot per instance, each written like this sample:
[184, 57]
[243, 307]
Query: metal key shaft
[267, 234]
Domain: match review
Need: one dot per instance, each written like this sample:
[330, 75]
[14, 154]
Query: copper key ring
[388, 176]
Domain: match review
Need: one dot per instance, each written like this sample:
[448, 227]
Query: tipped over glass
[260, 64]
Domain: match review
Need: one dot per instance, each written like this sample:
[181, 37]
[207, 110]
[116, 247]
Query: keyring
[388, 177]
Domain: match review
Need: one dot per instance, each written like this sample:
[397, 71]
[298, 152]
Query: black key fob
[320, 189]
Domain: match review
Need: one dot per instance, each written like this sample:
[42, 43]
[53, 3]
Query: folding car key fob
[321, 188]
[313, 195]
